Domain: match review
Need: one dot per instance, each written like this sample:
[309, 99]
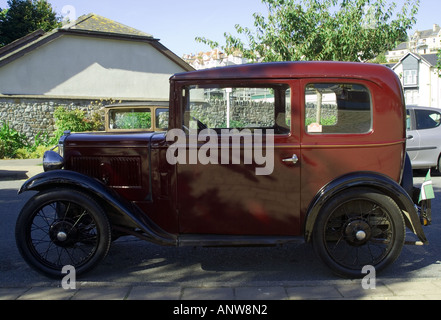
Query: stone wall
[214, 113]
[327, 111]
[31, 116]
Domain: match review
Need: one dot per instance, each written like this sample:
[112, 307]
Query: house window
[410, 77]
[411, 97]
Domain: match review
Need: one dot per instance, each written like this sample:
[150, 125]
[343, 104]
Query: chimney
[435, 27]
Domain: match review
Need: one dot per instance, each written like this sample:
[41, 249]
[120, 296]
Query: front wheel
[57, 228]
[359, 228]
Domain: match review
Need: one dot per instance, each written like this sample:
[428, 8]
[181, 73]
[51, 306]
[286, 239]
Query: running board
[235, 240]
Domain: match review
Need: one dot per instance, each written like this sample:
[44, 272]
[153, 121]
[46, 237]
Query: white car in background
[424, 137]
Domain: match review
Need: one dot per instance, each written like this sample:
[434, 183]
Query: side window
[333, 108]
[162, 118]
[408, 120]
[130, 118]
[426, 119]
[239, 108]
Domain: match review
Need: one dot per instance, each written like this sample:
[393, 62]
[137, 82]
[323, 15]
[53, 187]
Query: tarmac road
[136, 269]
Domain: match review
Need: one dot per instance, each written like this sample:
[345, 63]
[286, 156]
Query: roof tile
[97, 23]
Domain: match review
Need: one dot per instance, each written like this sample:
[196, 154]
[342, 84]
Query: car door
[413, 136]
[240, 175]
[424, 138]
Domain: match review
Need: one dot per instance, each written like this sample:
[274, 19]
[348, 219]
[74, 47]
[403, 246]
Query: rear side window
[426, 119]
[333, 108]
[162, 119]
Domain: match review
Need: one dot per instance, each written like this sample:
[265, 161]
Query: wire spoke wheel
[56, 229]
[357, 229]
[63, 233]
[359, 233]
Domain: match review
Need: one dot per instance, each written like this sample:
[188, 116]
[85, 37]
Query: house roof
[20, 42]
[428, 33]
[401, 46]
[95, 23]
[91, 25]
[429, 59]
[432, 58]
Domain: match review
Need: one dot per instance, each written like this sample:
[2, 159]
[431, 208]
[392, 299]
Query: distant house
[214, 59]
[419, 76]
[421, 42]
[91, 59]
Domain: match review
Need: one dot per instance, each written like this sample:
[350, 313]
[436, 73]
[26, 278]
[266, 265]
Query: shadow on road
[8, 175]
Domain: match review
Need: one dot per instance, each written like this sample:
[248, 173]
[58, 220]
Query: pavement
[391, 289]
[339, 289]
[20, 169]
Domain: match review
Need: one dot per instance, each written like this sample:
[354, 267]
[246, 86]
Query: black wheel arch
[365, 179]
[121, 209]
[407, 177]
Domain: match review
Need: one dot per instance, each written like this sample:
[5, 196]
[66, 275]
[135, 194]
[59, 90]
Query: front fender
[371, 180]
[72, 179]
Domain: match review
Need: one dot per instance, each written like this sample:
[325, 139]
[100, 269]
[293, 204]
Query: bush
[21, 153]
[2, 149]
[14, 144]
[12, 140]
[75, 121]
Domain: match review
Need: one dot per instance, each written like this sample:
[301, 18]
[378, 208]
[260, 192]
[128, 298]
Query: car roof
[423, 108]
[298, 69]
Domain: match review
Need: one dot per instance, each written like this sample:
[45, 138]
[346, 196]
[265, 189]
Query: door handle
[409, 137]
[294, 159]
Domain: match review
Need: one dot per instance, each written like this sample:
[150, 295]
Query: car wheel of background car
[57, 228]
[357, 228]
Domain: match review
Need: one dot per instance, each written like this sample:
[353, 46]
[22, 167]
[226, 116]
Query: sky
[178, 22]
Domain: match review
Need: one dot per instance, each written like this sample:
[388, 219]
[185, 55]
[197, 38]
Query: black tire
[62, 227]
[356, 228]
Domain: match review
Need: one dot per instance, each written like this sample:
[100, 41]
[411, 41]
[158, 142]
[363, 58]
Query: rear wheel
[57, 228]
[357, 228]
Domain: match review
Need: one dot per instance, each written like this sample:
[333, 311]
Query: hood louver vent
[116, 172]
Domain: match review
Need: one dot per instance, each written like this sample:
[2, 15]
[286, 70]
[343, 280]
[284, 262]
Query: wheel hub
[357, 232]
[61, 236]
[63, 233]
[360, 235]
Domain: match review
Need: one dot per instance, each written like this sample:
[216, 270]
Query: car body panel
[424, 136]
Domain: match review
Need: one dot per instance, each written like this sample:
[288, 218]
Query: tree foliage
[342, 30]
[25, 16]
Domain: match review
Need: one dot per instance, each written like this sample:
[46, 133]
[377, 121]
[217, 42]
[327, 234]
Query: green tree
[342, 30]
[25, 16]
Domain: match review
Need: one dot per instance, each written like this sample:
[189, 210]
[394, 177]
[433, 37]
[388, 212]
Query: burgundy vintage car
[261, 154]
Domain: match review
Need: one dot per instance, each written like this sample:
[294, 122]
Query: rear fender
[373, 181]
[71, 179]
